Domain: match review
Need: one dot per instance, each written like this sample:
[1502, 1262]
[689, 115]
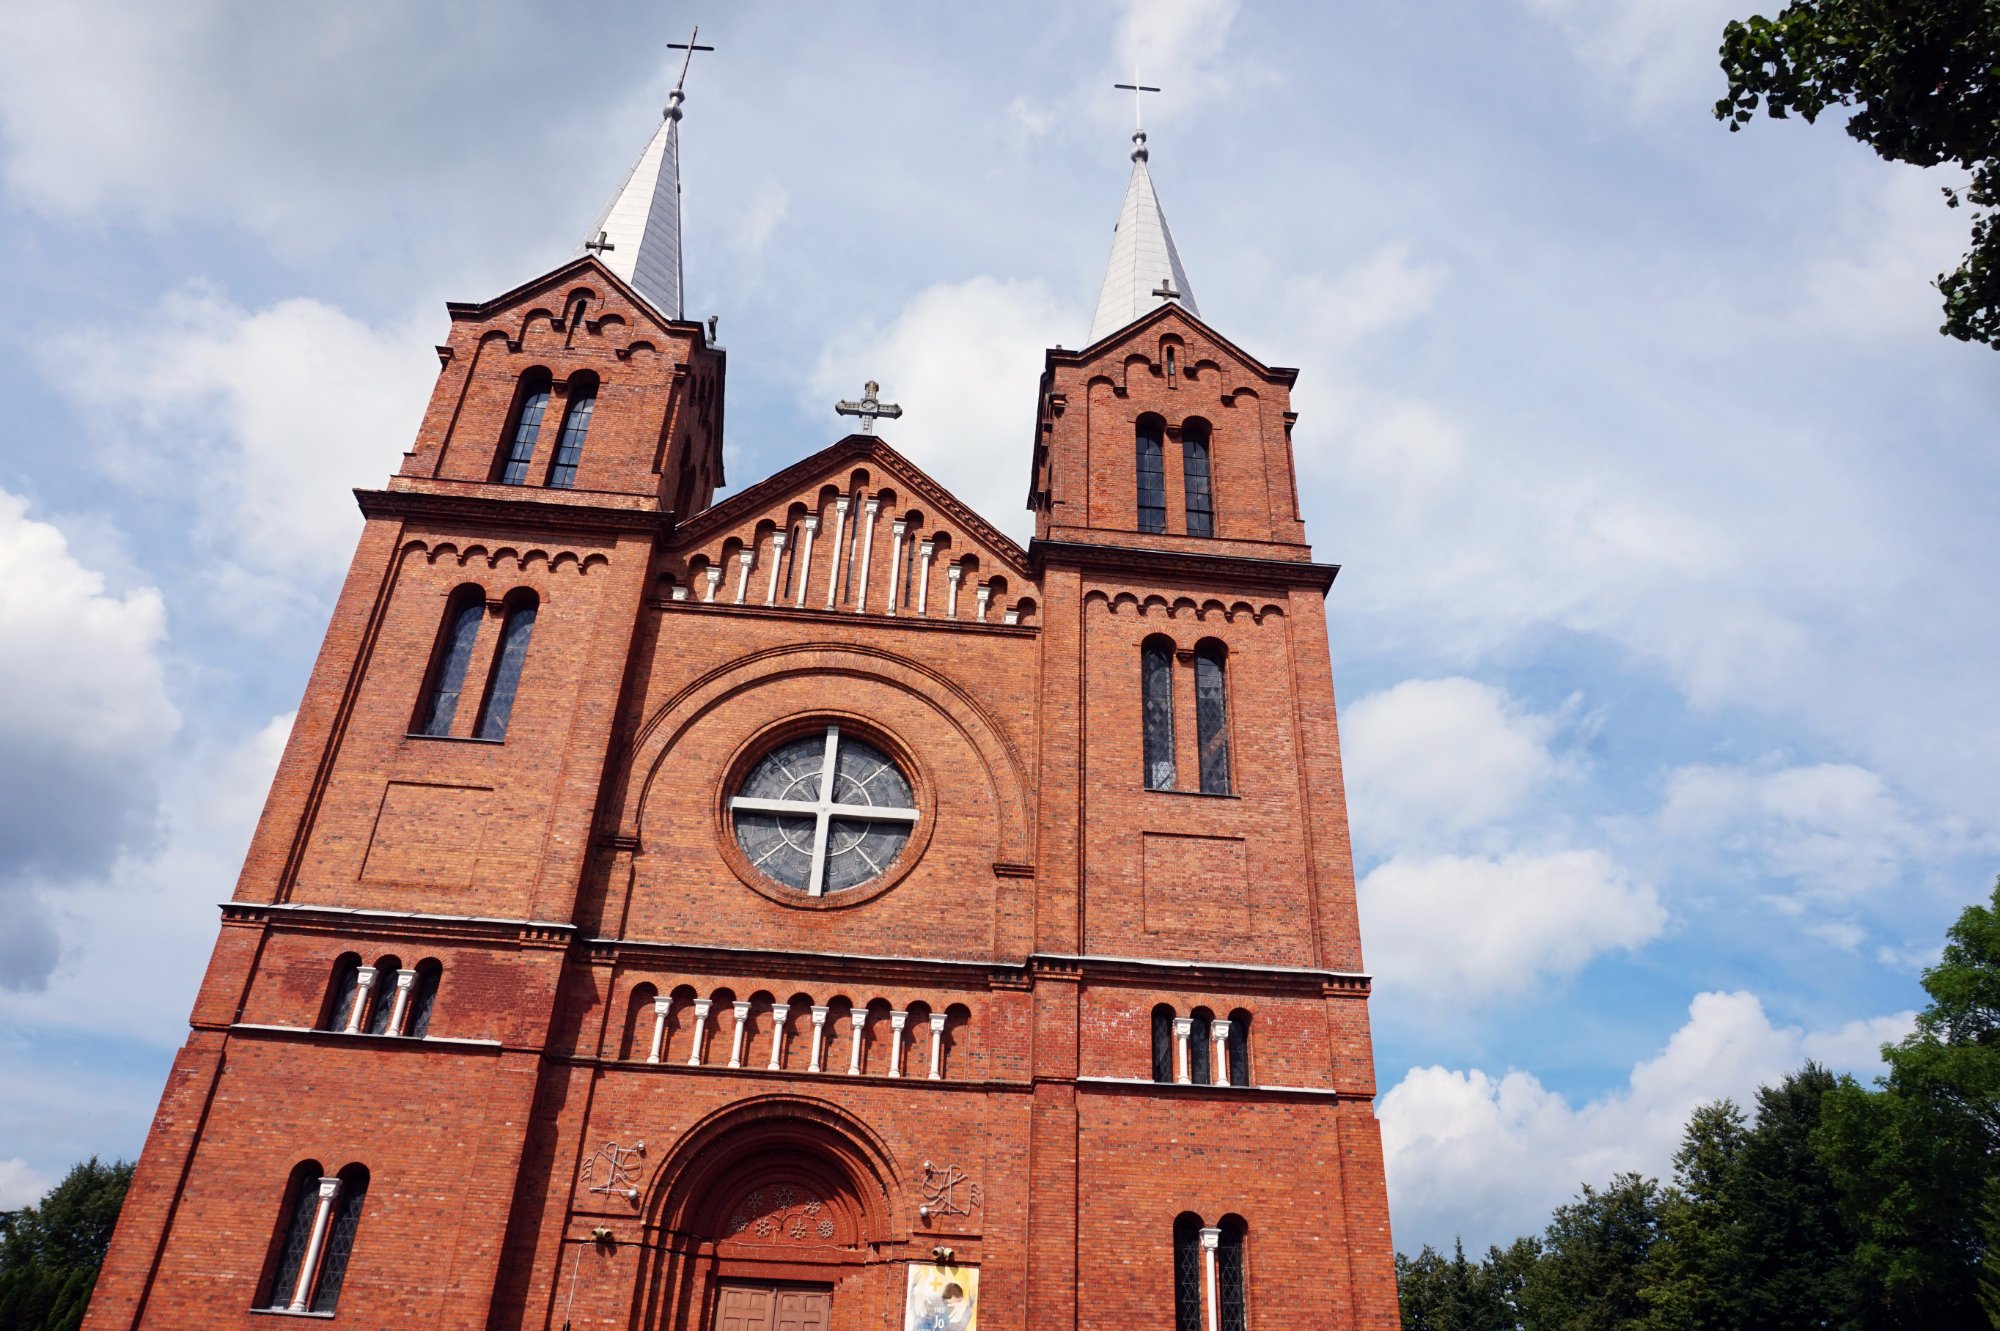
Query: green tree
[1693, 1278]
[1792, 1245]
[50, 1252]
[1591, 1274]
[1923, 79]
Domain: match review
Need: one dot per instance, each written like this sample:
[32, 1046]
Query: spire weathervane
[869, 407]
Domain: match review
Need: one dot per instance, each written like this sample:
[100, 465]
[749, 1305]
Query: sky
[1667, 612]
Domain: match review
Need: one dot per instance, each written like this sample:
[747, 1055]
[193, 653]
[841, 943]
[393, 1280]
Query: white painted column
[896, 530]
[701, 1007]
[777, 563]
[868, 511]
[364, 984]
[839, 550]
[329, 1188]
[937, 1046]
[819, 1036]
[1211, 1239]
[951, 577]
[712, 579]
[661, 1007]
[744, 558]
[811, 524]
[781, 1017]
[858, 1019]
[1219, 1063]
[1183, 1072]
[897, 1020]
[741, 1007]
[405, 981]
[979, 603]
[924, 552]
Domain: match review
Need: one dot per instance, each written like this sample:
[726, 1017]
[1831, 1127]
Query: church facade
[807, 910]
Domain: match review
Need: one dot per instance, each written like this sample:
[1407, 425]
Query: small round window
[823, 812]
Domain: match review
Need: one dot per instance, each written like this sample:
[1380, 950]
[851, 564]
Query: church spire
[1145, 268]
[638, 235]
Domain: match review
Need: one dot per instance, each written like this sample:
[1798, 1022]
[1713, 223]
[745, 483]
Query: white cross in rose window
[824, 815]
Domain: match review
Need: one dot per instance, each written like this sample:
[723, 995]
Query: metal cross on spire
[1138, 91]
[869, 407]
[679, 94]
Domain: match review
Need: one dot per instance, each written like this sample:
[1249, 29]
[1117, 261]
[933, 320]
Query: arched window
[1152, 474]
[315, 1238]
[1200, 1037]
[512, 654]
[1163, 1043]
[1187, 1272]
[1230, 1276]
[423, 997]
[382, 1007]
[530, 401]
[1238, 1045]
[1156, 702]
[1194, 473]
[341, 993]
[449, 660]
[1211, 716]
[575, 426]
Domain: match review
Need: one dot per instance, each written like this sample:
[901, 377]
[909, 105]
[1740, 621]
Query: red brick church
[808, 909]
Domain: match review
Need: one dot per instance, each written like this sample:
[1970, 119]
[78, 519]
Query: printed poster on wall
[942, 1298]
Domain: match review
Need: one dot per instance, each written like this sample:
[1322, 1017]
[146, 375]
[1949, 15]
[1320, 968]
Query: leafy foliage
[49, 1253]
[1923, 77]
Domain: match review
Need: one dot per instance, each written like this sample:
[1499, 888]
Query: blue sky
[1667, 612]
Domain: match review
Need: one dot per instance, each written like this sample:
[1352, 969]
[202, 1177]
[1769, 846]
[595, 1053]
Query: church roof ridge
[1144, 270]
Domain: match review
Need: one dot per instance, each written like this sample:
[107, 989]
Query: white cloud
[85, 721]
[1178, 44]
[1440, 754]
[19, 1185]
[1834, 829]
[1489, 1156]
[262, 420]
[1455, 927]
[955, 359]
[1654, 51]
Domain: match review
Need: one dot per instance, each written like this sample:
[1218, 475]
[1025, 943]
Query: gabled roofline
[1284, 374]
[853, 447]
[582, 263]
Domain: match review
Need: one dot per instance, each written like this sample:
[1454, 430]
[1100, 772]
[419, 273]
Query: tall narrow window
[382, 1003]
[507, 663]
[449, 661]
[1194, 471]
[1152, 475]
[1211, 716]
[1156, 688]
[1231, 1278]
[1187, 1273]
[576, 425]
[295, 1227]
[340, 995]
[532, 401]
[423, 997]
[1238, 1045]
[315, 1238]
[1163, 1043]
[341, 1225]
[1199, 1040]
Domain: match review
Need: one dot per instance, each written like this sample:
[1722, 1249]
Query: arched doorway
[774, 1215]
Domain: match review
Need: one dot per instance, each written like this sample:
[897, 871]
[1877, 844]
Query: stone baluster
[896, 530]
[811, 524]
[777, 562]
[781, 1017]
[1211, 1239]
[924, 551]
[897, 1020]
[952, 576]
[839, 553]
[405, 981]
[984, 594]
[741, 1007]
[329, 1188]
[744, 558]
[711, 579]
[1183, 1068]
[364, 982]
[661, 1007]
[937, 1046]
[1219, 1062]
[819, 1036]
[857, 1019]
[701, 1007]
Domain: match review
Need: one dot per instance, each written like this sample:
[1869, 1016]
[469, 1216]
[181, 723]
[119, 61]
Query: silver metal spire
[1145, 268]
[638, 235]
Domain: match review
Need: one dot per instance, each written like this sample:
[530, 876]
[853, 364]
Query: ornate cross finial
[869, 407]
[679, 94]
[600, 245]
[1138, 91]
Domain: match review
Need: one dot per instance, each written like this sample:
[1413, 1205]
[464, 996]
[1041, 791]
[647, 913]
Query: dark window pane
[1163, 1044]
[302, 1202]
[507, 664]
[1229, 1278]
[1198, 1043]
[1157, 709]
[521, 448]
[1187, 1274]
[1211, 720]
[346, 977]
[569, 448]
[340, 1239]
[1152, 480]
[455, 655]
[858, 851]
[422, 998]
[1194, 466]
[863, 774]
[780, 846]
[1238, 1045]
[382, 998]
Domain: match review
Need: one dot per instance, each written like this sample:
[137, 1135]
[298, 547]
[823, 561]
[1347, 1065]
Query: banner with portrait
[942, 1298]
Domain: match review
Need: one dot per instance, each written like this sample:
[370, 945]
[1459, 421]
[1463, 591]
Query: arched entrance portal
[773, 1216]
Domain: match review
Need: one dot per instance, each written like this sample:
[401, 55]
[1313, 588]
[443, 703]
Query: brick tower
[807, 910]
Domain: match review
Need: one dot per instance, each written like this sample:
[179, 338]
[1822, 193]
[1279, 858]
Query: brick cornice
[521, 514]
[1150, 562]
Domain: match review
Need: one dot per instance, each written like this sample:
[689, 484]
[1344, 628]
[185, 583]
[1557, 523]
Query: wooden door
[763, 1308]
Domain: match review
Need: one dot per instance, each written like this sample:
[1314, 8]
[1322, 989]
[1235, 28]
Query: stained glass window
[1230, 1277]
[534, 401]
[1163, 1043]
[1156, 686]
[507, 663]
[569, 446]
[1238, 1045]
[346, 1218]
[1194, 470]
[1211, 717]
[1152, 476]
[1199, 1039]
[824, 812]
[454, 655]
[301, 1204]
[1187, 1273]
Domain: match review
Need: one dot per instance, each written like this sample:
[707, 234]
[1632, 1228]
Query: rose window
[823, 812]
